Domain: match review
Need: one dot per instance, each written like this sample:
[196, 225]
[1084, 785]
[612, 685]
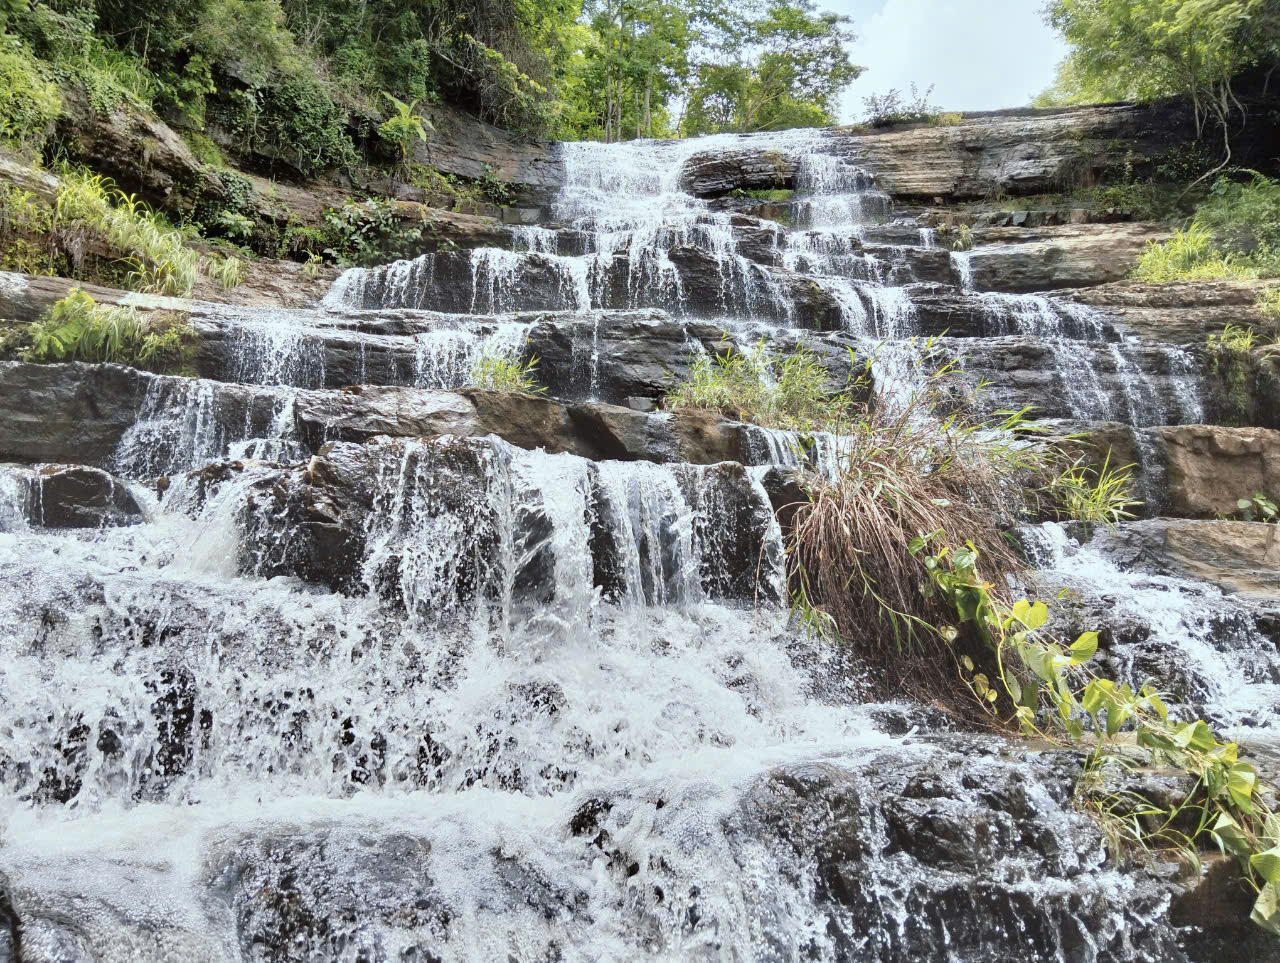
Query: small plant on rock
[962, 239]
[500, 369]
[77, 328]
[404, 128]
[1095, 496]
[1259, 508]
[757, 385]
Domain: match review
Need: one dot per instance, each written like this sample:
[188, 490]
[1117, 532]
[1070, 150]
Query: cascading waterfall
[410, 699]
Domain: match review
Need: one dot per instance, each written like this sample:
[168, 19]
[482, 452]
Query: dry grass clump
[904, 473]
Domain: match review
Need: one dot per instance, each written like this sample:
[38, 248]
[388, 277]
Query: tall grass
[159, 260]
[1101, 495]
[905, 472]
[792, 390]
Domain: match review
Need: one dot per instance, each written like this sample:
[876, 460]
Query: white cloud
[979, 54]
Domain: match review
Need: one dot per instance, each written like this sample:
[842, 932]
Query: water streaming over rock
[412, 699]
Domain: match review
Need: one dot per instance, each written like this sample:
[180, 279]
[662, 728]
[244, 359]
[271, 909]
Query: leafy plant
[229, 272]
[155, 252]
[901, 469]
[404, 127]
[29, 102]
[370, 233]
[1258, 508]
[1098, 496]
[1048, 689]
[77, 328]
[1269, 303]
[506, 370]
[1235, 234]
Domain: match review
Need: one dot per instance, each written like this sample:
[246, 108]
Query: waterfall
[453, 697]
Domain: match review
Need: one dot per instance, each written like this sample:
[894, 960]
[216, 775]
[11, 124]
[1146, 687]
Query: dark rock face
[73, 496]
[63, 413]
[357, 516]
[718, 172]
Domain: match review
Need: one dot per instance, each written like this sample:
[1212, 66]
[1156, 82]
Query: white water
[201, 748]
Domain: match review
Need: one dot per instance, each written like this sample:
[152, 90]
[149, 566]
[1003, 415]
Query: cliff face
[327, 653]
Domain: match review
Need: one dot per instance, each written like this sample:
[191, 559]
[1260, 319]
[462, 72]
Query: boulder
[1209, 468]
[73, 496]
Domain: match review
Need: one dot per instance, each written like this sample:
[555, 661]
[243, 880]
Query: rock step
[1190, 471]
[145, 425]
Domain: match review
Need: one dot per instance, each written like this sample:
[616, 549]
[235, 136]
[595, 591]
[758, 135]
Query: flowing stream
[447, 699]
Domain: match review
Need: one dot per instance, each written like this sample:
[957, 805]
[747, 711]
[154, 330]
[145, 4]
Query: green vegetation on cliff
[307, 86]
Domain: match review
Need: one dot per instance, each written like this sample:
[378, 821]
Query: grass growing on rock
[77, 328]
[506, 369]
[1234, 235]
[792, 390]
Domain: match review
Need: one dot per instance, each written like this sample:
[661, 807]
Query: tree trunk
[648, 115]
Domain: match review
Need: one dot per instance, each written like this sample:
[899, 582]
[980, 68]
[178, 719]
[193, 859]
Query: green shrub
[1269, 303]
[1244, 219]
[29, 103]
[1235, 234]
[895, 107]
[370, 233]
[404, 128]
[506, 370]
[77, 328]
[963, 239]
[790, 391]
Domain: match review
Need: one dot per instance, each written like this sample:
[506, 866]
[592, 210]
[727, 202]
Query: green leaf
[1267, 864]
[1240, 784]
[1037, 617]
[1020, 610]
[1015, 688]
[1266, 909]
[1083, 648]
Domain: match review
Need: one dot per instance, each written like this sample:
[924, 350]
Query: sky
[979, 54]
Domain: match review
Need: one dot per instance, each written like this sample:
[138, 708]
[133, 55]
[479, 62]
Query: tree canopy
[1144, 49]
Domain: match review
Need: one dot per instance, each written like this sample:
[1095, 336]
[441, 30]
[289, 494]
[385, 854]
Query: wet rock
[1085, 380]
[66, 412]
[1241, 558]
[79, 497]
[718, 172]
[359, 519]
[906, 856]
[329, 894]
[1018, 151]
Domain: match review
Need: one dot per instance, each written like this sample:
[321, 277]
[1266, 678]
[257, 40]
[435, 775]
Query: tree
[1143, 49]
[781, 69]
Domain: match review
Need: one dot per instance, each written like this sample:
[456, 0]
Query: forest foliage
[306, 86]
